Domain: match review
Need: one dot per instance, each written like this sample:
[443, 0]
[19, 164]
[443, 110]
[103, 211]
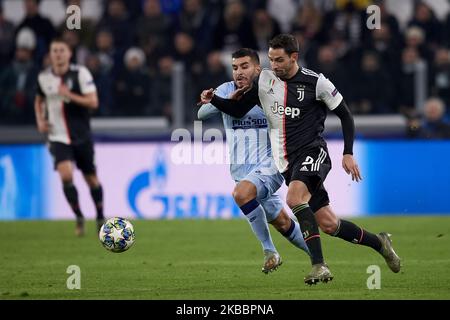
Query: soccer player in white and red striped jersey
[65, 98]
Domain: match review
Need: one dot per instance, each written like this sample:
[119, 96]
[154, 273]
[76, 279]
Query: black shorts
[319, 199]
[311, 167]
[81, 154]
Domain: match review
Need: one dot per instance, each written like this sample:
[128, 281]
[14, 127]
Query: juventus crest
[301, 93]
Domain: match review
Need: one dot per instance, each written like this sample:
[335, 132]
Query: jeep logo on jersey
[288, 111]
[301, 93]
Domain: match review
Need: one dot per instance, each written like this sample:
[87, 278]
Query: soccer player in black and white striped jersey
[295, 101]
[66, 96]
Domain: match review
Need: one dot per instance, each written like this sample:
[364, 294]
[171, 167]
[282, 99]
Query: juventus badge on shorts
[301, 93]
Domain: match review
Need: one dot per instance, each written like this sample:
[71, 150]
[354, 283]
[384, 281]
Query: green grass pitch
[217, 259]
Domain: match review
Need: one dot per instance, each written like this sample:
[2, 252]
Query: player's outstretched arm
[207, 111]
[237, 108]
[348, 128]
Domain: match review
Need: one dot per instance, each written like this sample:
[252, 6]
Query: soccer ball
[117, 234]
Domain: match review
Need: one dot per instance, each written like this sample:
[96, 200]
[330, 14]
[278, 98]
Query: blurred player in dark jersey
[65, 98]
[295, 101]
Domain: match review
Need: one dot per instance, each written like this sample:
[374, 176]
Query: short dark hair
[285, 41]
[59, 39]
[246, 52]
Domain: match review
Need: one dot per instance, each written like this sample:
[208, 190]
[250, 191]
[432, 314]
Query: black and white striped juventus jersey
[295, 109]
[69, 122]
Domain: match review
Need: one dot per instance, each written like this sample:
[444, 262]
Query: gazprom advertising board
[144, 180]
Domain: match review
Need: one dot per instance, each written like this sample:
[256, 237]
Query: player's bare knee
[328, 225]
[92, 180]
[295, 200]
[244, 192]
[326, 219]
[297, 195]
[328, 228]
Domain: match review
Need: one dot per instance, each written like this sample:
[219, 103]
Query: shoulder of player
[225, 88]
[266, 74]
[267, 78]
[309, 76]
[45, 74]
[79, 69]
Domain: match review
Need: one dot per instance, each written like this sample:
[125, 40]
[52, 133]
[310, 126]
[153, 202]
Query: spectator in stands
[375, 90]
[79, 51]
[440, 75]
[433, 124]
[389, 20]
[103, 82]
[214, 75]
[283, 11]
[415, 38]
[117, 20]
[234, 31]
[153, 28]
[337, 72]
[264, 28]
[446, 32]
[308, 54]
[6, 39]
[406, 99]
[186, 52]
[106, 52]
[18, 82]
[309, 20]
[425, 19]
[41, 26]
[162, 90]
[193, 19]
[133, 86]
[386, 45]
[349, 22]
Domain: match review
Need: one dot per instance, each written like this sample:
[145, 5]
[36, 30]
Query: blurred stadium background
[151, 59]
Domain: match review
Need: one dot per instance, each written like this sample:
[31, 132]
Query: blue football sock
[295, 236]
[257, 219]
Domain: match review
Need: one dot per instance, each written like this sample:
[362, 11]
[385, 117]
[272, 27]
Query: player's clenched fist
[206, 96]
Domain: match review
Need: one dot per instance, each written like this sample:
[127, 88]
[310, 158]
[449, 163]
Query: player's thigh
[306, 174]
[298, 193]
[63, 156]
[273, 207]
[65, 170]
[266, 181]
[84, 158]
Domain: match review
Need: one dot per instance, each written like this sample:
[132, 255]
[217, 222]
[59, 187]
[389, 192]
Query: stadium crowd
[132, 48]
